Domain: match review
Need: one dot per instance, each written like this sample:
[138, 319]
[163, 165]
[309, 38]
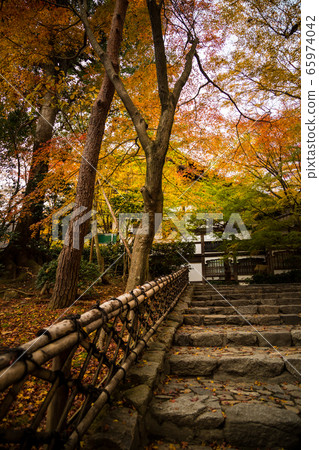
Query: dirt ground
[23, 311]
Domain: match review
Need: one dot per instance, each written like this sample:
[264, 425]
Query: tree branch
[167, 117]
[222, 90]
[195, 96]
[159, 49]
[137, 118]
[180, 83]
[269, 89]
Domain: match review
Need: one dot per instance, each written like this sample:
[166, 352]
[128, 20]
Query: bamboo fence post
[62, 362]
[115, 220]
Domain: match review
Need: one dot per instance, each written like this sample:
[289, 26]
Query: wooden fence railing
[275, 260]
[78, 363]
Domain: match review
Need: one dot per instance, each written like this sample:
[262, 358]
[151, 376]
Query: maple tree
[132, 104]
[40, 44]
[270, 152]
[155, 149]
[70, 257]
[230, 131]
[262, 64]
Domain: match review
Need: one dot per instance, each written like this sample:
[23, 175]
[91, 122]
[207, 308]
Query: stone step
[250, 363]
[246, 301]
[248, 287]
[229, 382]
[215, 295]
[244, 309]
[228, 335]
[247, 295]
[245, 319]
[202, 411]
[238, 295]
[172, 444]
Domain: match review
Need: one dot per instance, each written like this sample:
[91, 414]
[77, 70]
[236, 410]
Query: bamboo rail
[78, 371]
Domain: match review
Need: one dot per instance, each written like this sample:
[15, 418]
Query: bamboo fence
[79, 361]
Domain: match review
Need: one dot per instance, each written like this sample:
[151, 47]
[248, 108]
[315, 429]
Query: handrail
[81, 360]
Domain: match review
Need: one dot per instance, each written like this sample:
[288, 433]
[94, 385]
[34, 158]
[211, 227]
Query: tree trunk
[153, 203]
[91, 250]
[227, 269]
[69, 260]
[99, 257]
[20, 249]
[155, 150]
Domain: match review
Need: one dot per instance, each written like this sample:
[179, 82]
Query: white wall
[210, 258]
[195, 273]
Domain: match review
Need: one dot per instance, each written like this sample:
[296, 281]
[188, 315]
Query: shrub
[110, 254]
[167, 257]
[164, 257]
[294, 276]
[89, 272]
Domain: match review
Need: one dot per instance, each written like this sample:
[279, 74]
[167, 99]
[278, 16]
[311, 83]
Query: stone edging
[120, 426]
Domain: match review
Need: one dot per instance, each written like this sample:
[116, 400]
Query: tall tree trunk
[156, 153]
[69, 260]
[99, 257]
[20, 248]
[153, 204]
[155, 150]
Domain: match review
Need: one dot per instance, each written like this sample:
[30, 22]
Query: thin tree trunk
[124, 265]
[227, 269]
[69, 260]
[155, 150]
[100, 259]
[127, 248]
[19, 248]
[153, 203]
[91, 250]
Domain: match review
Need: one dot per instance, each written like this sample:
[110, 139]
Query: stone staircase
[234, 371]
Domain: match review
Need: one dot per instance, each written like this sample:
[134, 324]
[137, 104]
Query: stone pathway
[228, 381]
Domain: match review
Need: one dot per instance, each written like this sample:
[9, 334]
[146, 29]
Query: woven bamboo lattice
[79, 362]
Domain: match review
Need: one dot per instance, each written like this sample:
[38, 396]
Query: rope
[105, 317]
[117, 368]
[145, 343]
[77, 327]
[120, 302]
[136, 354]
[136, 300]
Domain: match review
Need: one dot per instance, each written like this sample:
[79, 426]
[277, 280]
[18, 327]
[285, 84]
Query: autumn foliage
[235, 135]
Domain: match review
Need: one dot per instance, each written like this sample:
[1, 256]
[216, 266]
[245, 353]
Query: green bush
[164, 257]
[294, 276]
[89, 272]
[167, 257]
[110, 253]
[55, 249]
